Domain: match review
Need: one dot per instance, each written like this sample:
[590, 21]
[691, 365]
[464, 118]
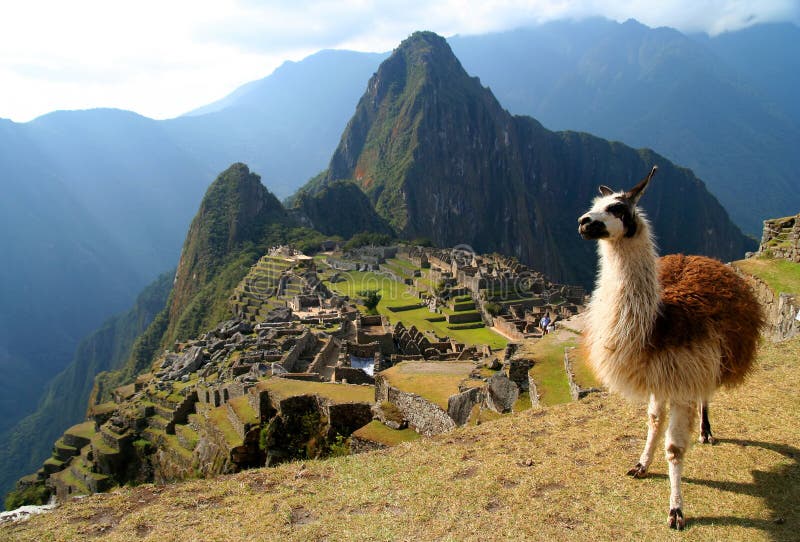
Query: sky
[164, 58]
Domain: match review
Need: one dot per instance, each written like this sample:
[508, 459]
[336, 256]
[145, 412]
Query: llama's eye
[618, 209]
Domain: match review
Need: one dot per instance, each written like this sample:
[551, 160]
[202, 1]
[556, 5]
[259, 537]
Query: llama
[669, 330]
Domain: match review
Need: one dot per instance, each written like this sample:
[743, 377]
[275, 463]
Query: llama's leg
[655, 430]
[705, 425]
[682, 418]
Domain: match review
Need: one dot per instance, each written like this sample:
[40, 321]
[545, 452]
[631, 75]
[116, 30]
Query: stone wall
[575, 389]
[780, 310]
[781, 238]
[304, 341]
[423, 416]
[326, 356]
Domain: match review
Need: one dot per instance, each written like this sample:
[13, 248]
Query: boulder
[459, 406]
[501, 393]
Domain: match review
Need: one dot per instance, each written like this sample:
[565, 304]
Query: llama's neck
[625, 303]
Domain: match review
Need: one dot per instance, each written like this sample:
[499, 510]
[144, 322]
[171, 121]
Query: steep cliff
[439, 157]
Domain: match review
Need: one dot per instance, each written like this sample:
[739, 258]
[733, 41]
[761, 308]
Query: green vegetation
[244, 411]
[782, 276]
[397, 294]
[84, 430]
[544, 474]
[219, 417]
[377, 432]
[548, 370]
[523, 402]
[35, 495]
[469, 325]
[492, 308]
[368, 239]
[65, 399]
[370, 299]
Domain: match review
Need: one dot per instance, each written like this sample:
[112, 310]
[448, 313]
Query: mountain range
[98, 201]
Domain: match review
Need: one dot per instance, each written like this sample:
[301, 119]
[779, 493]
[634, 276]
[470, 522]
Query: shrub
[370, 298]
[37, 494]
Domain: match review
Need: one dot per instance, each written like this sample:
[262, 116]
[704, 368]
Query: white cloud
[162, 58]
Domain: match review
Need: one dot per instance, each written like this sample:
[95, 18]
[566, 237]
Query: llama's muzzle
[591, 229]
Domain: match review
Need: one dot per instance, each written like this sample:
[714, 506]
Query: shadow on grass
[779, 488]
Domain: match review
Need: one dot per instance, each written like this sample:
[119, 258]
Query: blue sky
[163, 58]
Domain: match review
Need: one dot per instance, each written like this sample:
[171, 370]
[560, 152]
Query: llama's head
[613, 215]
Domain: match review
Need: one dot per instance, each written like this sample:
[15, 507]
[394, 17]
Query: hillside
[26, 444]
[555, 473]
[439, 157]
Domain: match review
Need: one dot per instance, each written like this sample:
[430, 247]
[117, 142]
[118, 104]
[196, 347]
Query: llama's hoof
[676, 519]
[639, 471]
[707, 439]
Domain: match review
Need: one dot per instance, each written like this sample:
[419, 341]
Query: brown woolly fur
[700, 298]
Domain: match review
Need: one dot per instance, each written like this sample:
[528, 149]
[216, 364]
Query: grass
[85, 430]
[781, 276]
[555, 473]
[548, 370]
[394, 293]
[337, 393]
[523, 402]
[434, 381]
[219, 417]
[377, 432]
[245, 412]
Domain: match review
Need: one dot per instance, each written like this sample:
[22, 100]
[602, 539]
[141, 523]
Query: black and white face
[612, 217]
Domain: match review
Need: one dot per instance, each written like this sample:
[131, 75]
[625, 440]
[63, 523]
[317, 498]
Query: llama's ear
[605, 191]
[636, 192]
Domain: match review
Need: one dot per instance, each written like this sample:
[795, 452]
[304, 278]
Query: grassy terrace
[85, 430]
[377, 432]
[245, 412]
[434, 381]
[394, 293]
[219, 417]
[548, 371]
[781, 276]
[337, 393]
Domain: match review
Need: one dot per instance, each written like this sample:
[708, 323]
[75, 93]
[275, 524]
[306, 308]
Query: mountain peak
[236, 211]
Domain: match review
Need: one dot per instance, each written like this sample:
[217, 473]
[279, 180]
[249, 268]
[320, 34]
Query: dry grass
[377, 432]
[555, 473]
[434, 381]
[337, 393]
